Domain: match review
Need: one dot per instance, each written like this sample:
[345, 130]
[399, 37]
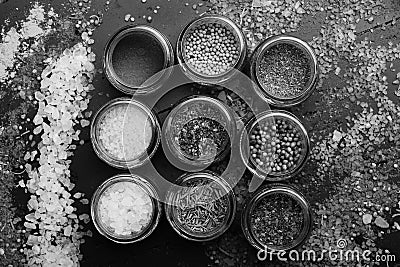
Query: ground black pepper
[284, 71]
[202, 138]
[277, 219]
[200, 131]
[201, 206]
[136, 58]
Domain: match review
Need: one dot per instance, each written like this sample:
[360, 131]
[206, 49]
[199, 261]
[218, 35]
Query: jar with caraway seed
[201, 207]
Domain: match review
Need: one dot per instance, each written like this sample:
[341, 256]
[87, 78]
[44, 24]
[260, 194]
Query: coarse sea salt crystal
[126, 211]
[61, 108]
[125, 132]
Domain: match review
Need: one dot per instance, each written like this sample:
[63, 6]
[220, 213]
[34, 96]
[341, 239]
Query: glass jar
[270, 119]
[198, 109]
[222, 77]
[152, 37]
[269, 191]
[124, 162]
[309, 54]
[204, 178]
[106, 230]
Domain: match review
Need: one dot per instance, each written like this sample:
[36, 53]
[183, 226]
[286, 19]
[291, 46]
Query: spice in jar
[125, 209]
[276, 146]
[136, 58]
[211, 49]
[199, 131]
[277, 219]
[284, 71]
[125, 132]
[201, 206]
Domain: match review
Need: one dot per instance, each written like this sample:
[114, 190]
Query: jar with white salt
[125, 133]
[125, 208]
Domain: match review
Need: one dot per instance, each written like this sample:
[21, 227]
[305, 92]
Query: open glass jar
[125, 133]
[210, 48]
[199, 131]
[277, 217]
[274, 145]
[137, 59]
[201, 207]
[285, 69]
[125, 208]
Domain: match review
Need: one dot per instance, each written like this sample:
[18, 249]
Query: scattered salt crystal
[85, 123]
[21, 183]
[337, 136]
[367, 218]
[381, 222]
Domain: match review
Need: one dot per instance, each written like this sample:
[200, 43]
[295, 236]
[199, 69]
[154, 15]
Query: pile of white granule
[125, 208]
[125, 132]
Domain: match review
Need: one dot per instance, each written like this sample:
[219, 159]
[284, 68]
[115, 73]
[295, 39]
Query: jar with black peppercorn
[274, 145]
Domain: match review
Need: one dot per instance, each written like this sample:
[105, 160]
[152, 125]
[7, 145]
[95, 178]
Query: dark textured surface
[164, 247]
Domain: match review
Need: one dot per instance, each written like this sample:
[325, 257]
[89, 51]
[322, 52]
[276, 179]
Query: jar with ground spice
[125, 133]
[274, 145]
[210, 48]
[137, 59]
[199, 131]
[285, 70]
[125, 208]
[201, 206]
[276, 217]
